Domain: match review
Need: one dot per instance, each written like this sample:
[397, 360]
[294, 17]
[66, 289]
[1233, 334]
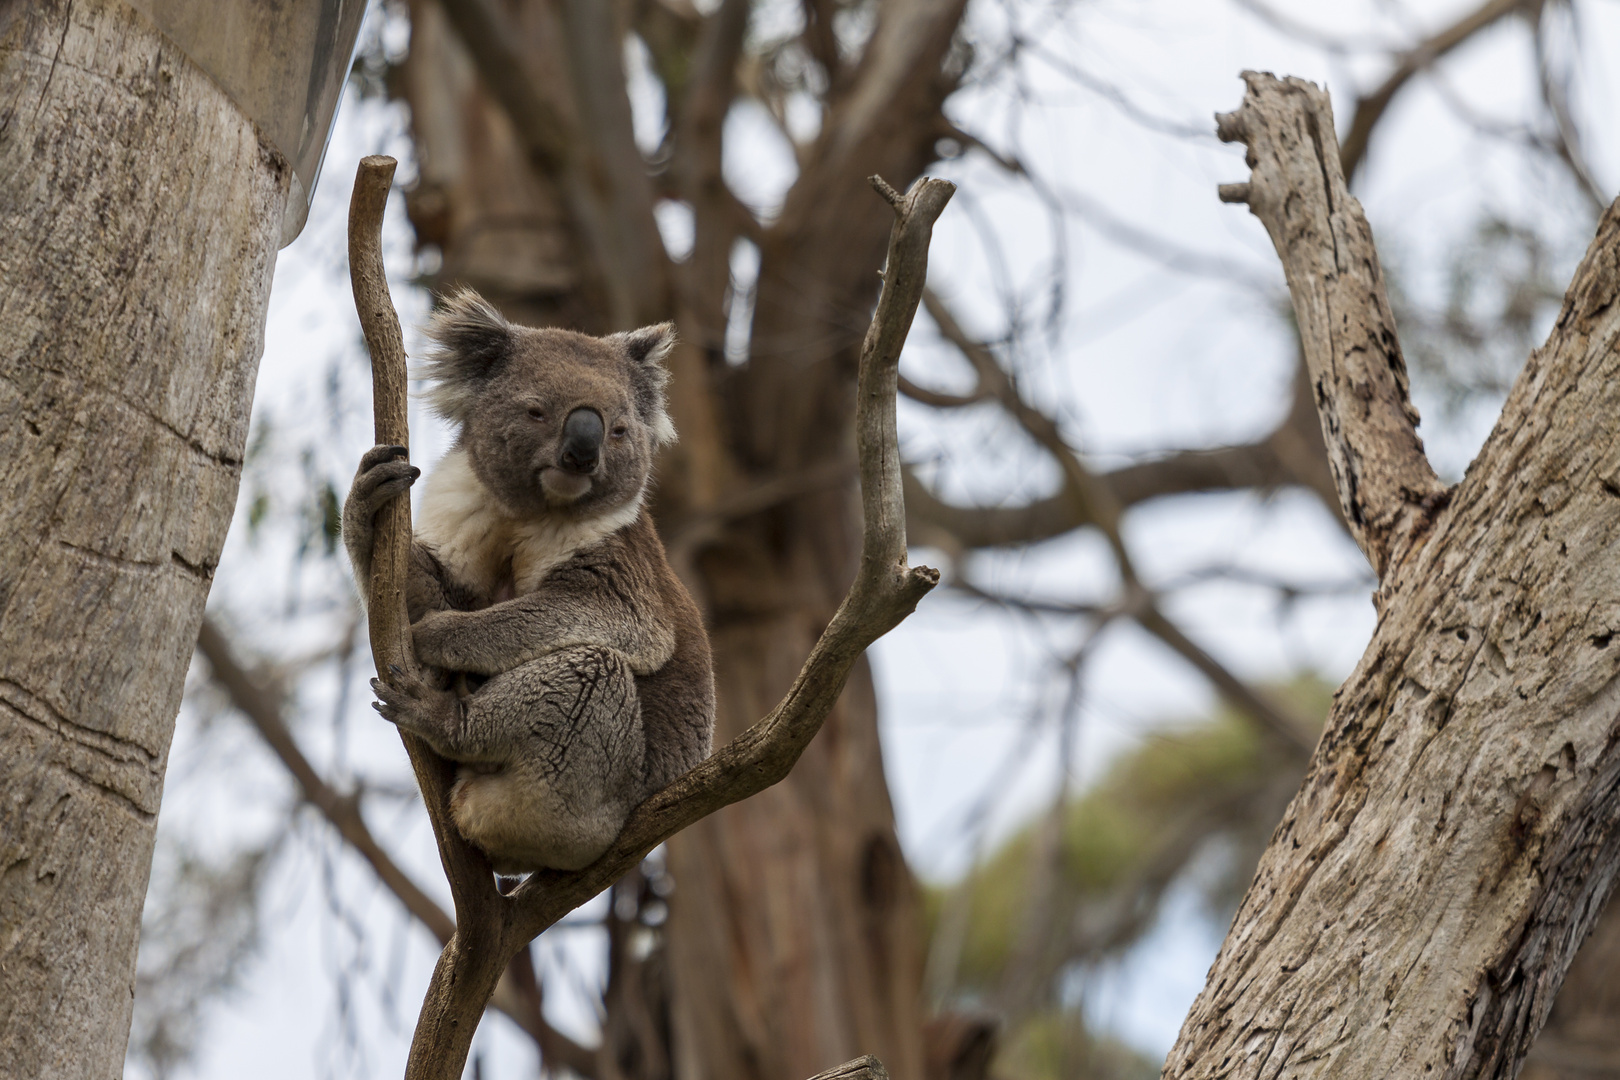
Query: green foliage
[1196, 802]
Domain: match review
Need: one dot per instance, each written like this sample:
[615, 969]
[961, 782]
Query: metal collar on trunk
[282, 63]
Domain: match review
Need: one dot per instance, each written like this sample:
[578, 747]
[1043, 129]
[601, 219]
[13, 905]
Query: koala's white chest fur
[483, 545]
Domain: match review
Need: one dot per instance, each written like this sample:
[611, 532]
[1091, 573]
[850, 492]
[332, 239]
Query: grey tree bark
[1455, 838]
[139, 215]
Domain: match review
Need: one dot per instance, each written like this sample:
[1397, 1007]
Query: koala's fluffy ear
[647, 349]
[471, 343]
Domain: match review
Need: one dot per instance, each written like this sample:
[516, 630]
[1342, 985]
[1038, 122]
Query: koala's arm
[586, 602]
[384, 475]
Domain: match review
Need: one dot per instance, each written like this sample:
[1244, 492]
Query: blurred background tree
[1112, 452]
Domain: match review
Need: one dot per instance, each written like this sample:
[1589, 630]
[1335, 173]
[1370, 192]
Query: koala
[567, 669]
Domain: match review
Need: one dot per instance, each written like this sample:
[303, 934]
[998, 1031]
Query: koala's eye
[619, 431]
[538, 414]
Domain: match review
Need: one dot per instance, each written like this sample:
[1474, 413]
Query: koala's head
[553, 421]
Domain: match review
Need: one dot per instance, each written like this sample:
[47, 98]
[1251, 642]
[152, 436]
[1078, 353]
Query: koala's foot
[384, 475]
[414, 706]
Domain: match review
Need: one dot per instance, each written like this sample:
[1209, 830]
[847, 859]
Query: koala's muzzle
[581, 441]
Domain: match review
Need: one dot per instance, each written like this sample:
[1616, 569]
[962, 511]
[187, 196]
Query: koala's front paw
[434, 636]
[414, 706]
[385, 473]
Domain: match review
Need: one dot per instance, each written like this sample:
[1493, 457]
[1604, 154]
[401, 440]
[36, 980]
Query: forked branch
[490, 927]
[1389, 492]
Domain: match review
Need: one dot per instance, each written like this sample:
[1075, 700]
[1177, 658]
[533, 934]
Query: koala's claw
[384, 482]
[379, 454]
[414, 706]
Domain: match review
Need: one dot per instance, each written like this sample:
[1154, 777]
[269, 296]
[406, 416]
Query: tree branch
[491, 928]
[1456, 835]
[472, 883]
[863, 1068]
[1388, 491]
[1370, 108]
[264, 711]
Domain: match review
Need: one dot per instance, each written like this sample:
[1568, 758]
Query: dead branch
[1387, 488]
[491, 928]
[1370, 108]
[1090, 500]
[1461, 810]
[472, 884]
[862, 1068]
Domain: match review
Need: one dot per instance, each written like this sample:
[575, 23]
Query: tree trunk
[1455, 837]
[139, 214]
[1581, 1040]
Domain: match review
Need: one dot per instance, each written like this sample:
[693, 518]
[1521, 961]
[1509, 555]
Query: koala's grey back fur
[542, 589]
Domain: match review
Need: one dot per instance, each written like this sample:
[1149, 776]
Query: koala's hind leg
[555, 753]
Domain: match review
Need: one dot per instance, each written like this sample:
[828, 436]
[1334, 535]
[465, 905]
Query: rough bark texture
[1455, 838]
[1581, 1040]
[139, 214]
[1346, 328]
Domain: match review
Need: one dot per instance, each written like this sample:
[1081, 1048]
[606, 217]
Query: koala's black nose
[582, 441]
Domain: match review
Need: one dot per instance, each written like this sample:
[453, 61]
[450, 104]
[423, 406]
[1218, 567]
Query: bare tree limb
[491, 928]
[1462, 810]
[472, 883]
[1387, 488]
[1090, 500]
[863, 1068]
[1370, 108]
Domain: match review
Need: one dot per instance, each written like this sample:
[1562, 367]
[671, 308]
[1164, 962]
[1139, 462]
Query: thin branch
[263, 711]
[472, 883]
[1389, 492]
[518, 994]
[1370, 108]
[491, 928]
[862, 1068]
[1094, 502]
